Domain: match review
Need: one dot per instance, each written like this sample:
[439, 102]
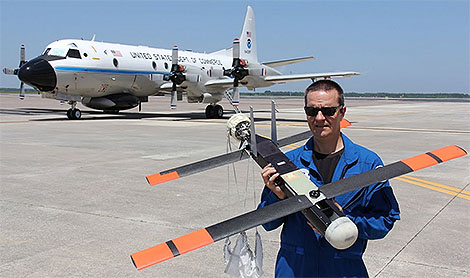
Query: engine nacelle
[112, 102]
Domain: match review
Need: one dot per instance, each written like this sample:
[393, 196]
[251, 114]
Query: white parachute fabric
[240, 261]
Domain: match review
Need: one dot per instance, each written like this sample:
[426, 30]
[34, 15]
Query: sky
[397, 46]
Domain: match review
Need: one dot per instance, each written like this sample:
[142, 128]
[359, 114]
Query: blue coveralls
[374, 209]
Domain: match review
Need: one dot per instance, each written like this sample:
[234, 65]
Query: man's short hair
[326, 85]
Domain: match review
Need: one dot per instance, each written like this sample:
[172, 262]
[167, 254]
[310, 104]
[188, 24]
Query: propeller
[238, 71]
[176, 76]
[15, 71]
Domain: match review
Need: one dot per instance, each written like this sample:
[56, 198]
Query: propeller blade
[197, 167]
[236, 49]
[10, 71]
[174, 55]
[392, 170]
[236, 95]
[273, 123]
[22, 90]
[22, 55]
[174, 95]
[216, 232]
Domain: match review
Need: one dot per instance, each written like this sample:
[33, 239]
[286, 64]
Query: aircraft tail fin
[248, 49]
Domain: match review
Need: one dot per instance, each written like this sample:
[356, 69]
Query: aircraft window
[58, 52]
[166, 65]
[46, 51]
[74, 53]
[84, 54]
[115, 62]
[154, 65]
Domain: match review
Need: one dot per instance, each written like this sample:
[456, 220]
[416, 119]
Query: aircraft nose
[38, 73]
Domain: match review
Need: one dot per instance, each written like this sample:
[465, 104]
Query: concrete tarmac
[74, 201]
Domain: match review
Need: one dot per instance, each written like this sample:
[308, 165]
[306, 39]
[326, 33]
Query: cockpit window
[58, 52]
[46, 51]
[74, 53]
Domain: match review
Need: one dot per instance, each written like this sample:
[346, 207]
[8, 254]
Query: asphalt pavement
[74, 201]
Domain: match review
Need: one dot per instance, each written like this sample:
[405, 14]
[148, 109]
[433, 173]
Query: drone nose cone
[38, 73]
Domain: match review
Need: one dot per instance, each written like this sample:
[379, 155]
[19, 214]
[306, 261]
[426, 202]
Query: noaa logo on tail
[248, 43]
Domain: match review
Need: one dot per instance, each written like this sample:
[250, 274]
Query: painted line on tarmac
[14, 122]
[437, 187]
[412, 129]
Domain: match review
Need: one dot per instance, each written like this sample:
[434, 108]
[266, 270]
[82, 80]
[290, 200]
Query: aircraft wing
[307, 76]
[226, 82]
[285, 62]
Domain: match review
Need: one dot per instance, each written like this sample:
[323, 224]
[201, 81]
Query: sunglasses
[326, 111]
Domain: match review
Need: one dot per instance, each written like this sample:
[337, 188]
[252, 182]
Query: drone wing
[392, 170]
[211, 234]
[197, 167]
[223, 159]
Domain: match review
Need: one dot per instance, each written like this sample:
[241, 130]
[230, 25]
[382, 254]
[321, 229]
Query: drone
[316, 203]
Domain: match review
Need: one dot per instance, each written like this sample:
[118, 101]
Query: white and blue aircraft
[113, 77]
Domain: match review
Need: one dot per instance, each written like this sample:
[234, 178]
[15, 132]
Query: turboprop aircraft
[113, 77]
[302, 195]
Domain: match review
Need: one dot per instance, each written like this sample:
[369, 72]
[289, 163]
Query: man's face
[323, 126]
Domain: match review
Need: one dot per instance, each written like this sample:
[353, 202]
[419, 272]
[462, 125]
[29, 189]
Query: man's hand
[269, 174]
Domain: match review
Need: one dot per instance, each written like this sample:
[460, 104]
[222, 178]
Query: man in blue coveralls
[329, 156]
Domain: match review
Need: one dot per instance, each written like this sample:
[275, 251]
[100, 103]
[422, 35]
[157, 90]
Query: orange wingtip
[151, 256]
[344, 123]
[159, 178]
[434, 157]
[163, 252]
[449, 152]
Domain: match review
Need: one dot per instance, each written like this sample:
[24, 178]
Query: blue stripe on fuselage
[109, 70]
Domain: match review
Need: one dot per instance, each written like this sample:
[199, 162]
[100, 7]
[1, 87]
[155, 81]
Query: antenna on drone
[273, 123]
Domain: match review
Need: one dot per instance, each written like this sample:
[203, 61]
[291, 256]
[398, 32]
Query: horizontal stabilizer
[392, 170]
[206, 236]
[285, 62]
[307, 76]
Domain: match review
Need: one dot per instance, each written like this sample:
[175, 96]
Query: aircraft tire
[219, 111]
[69, 114]
[210, 111]
[76, 114]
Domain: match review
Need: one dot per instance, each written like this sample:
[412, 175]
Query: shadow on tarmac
[183, 116]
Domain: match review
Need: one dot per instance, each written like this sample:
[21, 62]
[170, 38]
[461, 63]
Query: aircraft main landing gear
[74, 113]
[214, 111]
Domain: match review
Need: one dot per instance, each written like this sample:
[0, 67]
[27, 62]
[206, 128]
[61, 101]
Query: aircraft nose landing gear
[74, 113]
[214, 111]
